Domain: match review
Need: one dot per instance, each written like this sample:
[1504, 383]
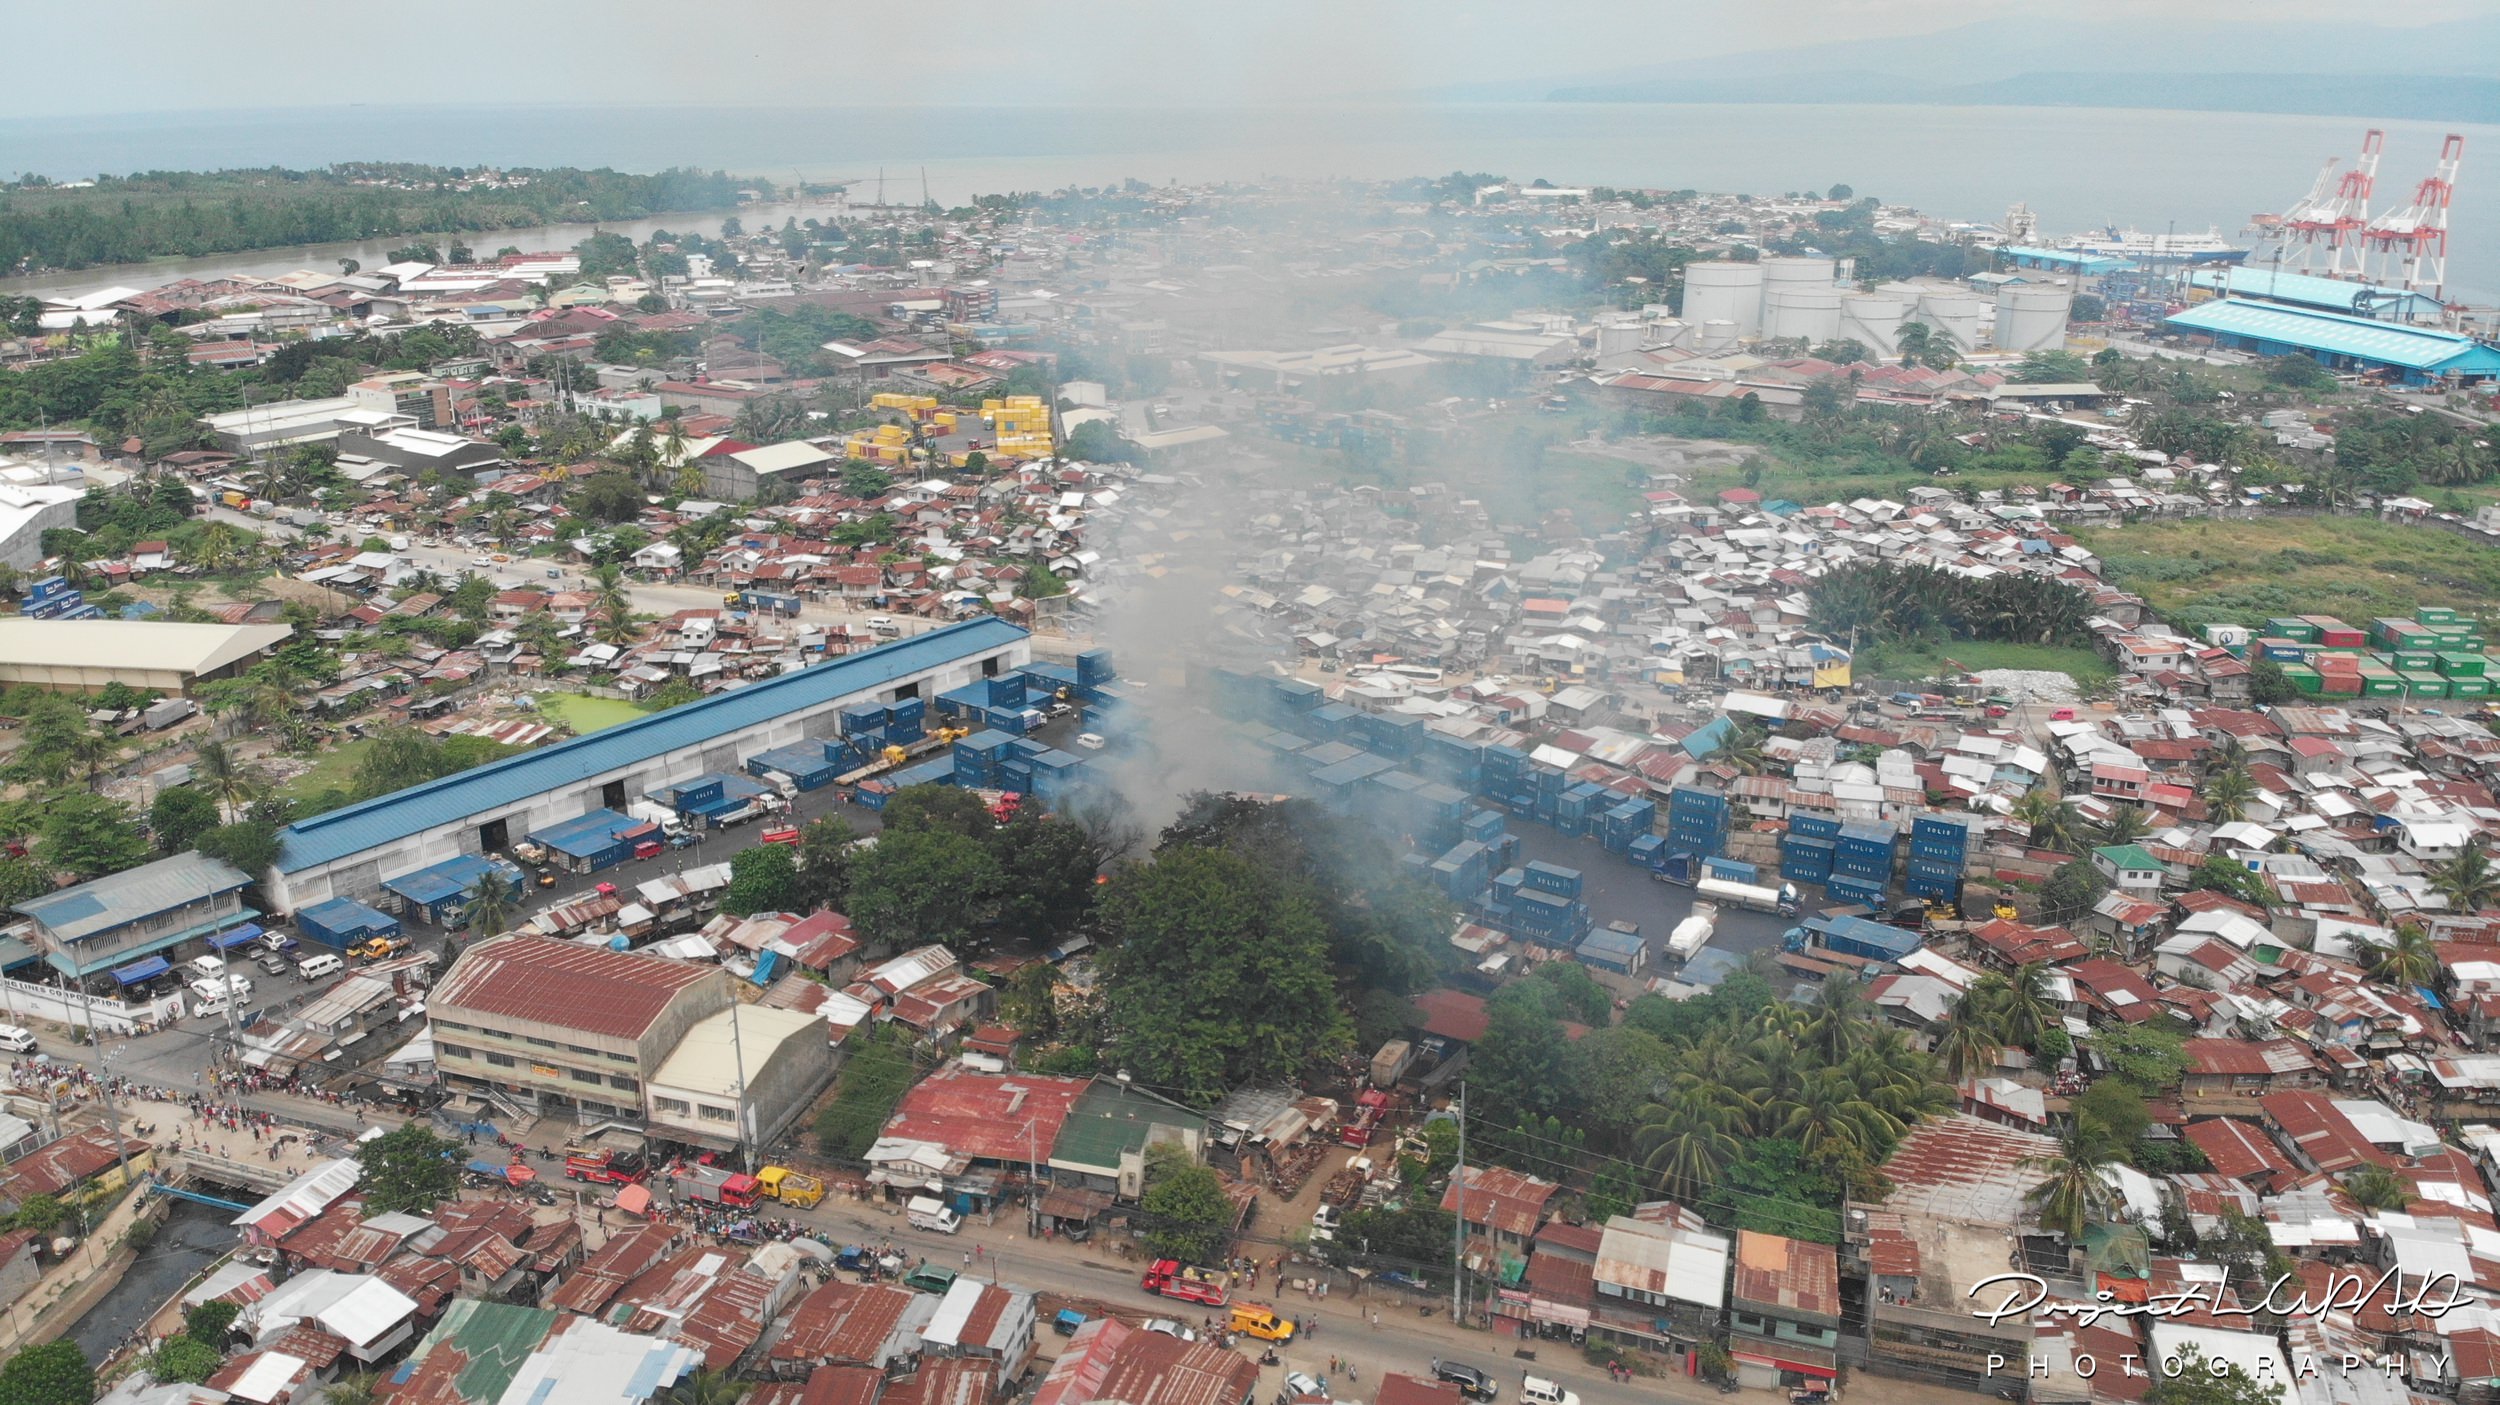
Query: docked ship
[2139, 247]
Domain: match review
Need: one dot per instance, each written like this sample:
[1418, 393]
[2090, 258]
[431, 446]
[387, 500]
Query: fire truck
[1191, 1285]
[605, 1167]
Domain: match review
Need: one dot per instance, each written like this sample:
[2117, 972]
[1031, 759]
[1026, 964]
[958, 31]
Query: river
[191, 1238]
[2077, 167]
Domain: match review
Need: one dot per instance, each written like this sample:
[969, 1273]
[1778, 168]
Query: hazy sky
[183, 54]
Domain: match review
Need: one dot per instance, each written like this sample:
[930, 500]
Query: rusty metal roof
[565, 984]
[1789, 1274]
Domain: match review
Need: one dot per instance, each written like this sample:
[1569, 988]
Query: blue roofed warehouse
[348, 852]
[2418, 355]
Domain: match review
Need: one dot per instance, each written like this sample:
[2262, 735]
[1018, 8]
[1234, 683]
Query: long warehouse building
[2418, 355]
[347, 853]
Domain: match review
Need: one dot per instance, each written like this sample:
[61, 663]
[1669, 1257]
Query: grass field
[584, 713]
[2200, 571]
[2087, 668]
[332, 769]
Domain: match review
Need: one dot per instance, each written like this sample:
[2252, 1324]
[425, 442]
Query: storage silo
[2032, 318]
[1796, 273]
[1801, 310]
[1954, 314]
[1617, 337]
[1667, 331]
[1874, 319]
[1724, 292]
[1717, 335]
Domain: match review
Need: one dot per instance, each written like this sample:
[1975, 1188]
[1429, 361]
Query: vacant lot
[2202, 572]
[584, 713]
[2088, 669]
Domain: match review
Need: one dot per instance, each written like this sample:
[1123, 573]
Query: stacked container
[1625, 822]
[1697, 822]
[1863, 855]
[1939, 855]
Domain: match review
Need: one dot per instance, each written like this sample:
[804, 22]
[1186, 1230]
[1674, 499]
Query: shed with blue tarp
[592, 841]
[344, 922]
[439, 892]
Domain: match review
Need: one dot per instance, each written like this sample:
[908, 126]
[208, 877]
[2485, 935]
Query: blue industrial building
[439, 893]
[129, 922]
[2341, 342]
[2062, 260]
[349, 852]
[2371, 300]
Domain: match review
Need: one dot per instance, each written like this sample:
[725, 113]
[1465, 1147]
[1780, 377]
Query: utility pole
[738, 1050]
[1032, 1184]
[103, 1071]
[1458, 1230]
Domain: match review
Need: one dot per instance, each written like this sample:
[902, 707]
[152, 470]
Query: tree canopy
[410, 1170]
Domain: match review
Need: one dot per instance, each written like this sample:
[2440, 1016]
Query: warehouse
[133, 923]
[349, 852]
[84, 656]
[2419, 355]
[2379, 304]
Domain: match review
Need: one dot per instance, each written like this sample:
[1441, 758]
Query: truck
[793, 1188]
[1371, 1108]
[1753, 897]
[1171, 1279]
[1676, 869]
[1263, 1322]
[718, 1185]
[1693, 933]
[602, 1166]
[930, 1213]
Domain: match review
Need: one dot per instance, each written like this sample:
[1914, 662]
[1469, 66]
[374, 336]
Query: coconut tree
[2468, 881]
[1913, 340]
[2053, 823]
[2378, 1188]
[2125, 825]
[1968, 1045]
[1830, 1112]
[225, 776]
[489, 906]
[1837, 1021]
[2073, 1195]
[1687, 1141]
[613, 606]
[2412, 959]
[2022, 1007]
[2227, 794]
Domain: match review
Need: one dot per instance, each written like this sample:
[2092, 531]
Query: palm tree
[88, 752]
[2467, 881]
[489, 906]
[2228, 793]
[2022, 1006]
[2052, 821]
[2412, 959]
[1912, 341]
[613, 605]
[1831, 1111]
[223, 775]
[1744, 748]
[2378, 1188]
[706, 1387]
[2125, 825]
[1969, 1045]
[1687, 1141]
[1837, 1025]
[2073, 1195]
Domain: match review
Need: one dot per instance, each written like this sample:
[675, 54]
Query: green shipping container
[2422, 683]
[2382, 685]
[2434, 614]
[2461, 665]
[2469, 687]
[2426, 660]
[2298, 630]
[2304, 678]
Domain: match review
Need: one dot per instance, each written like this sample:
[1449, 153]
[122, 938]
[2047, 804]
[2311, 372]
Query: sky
[182, 55]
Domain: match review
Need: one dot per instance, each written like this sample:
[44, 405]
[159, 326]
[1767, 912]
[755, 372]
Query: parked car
[1472, 1383]
[271, 962]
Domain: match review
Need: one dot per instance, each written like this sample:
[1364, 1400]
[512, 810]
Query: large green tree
[764, 878]
[90, 835]
[410, 1170]
[1218, 976]
[1187, 1215]
[922, 885]
[55, 1373]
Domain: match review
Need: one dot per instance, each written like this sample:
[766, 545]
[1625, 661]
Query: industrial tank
[1724, 292]
[1718, 334]
[2032, 318]
[1796, 272]
[1667, 331]
[1619, 337]
[1801, 310]
[1874, 319]
[1954, 314]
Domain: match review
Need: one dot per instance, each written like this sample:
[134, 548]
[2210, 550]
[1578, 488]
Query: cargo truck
[717, 1185]
[793, 1188]
[1171, 1279]
[1693, 933]
[1753, 897]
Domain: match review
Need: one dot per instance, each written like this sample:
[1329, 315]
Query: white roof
[133, 644]
[706, 1060]
[588, 1362]
[308, 1194]
[783, 458]
[266, 1377]
[2260, 1356]
[368, 1311]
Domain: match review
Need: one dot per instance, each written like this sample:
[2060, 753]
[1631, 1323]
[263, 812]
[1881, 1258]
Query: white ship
[2208, 247]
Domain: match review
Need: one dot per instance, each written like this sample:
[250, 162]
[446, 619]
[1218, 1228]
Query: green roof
[2126, 856]
[1110, 1119]
[493, 1340]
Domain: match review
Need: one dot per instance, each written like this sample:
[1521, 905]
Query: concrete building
[349, 852]
[558, 1026]
[769, 1063]
[132, 923]
[29, 511]
[1783, 1312]
[1951, 1223]
[985, 1322]
[414, 450]
[1672, 1273]
[740, 476]
[284, 422]
[82, 656]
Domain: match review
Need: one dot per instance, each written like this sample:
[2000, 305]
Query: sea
[2079, 168]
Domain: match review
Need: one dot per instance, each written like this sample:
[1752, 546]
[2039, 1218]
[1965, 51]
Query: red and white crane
[2349, 213]
[2411, 243]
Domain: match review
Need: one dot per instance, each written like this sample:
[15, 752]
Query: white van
[207, 968]
[17, 1039]
[313, 968]
[207, 1000]
[927, 1212]
[1536, 1390]
[884, 625]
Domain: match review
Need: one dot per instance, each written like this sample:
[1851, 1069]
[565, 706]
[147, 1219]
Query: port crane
[2411, 242]
[2330, 218]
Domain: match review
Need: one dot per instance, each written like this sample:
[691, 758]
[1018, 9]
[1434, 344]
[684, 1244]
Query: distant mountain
[2439, 72]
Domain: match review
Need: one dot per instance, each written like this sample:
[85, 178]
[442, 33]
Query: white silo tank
[1801, 310]
[1797, 272]
[1620, 336]
[1724, 292]
[2031, 318]
[1717, 334]
[1667, 331]
[1954, 314]
[1874, 319]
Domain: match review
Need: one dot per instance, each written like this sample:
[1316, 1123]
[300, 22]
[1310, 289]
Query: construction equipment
[1005, 810]
[794, 1188]
[2004, 911]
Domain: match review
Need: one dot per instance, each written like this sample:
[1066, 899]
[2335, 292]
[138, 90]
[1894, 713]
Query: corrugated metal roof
[2415, 348]
[79, 912]
[565, 984]
[2309, 290]
[478, 792]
